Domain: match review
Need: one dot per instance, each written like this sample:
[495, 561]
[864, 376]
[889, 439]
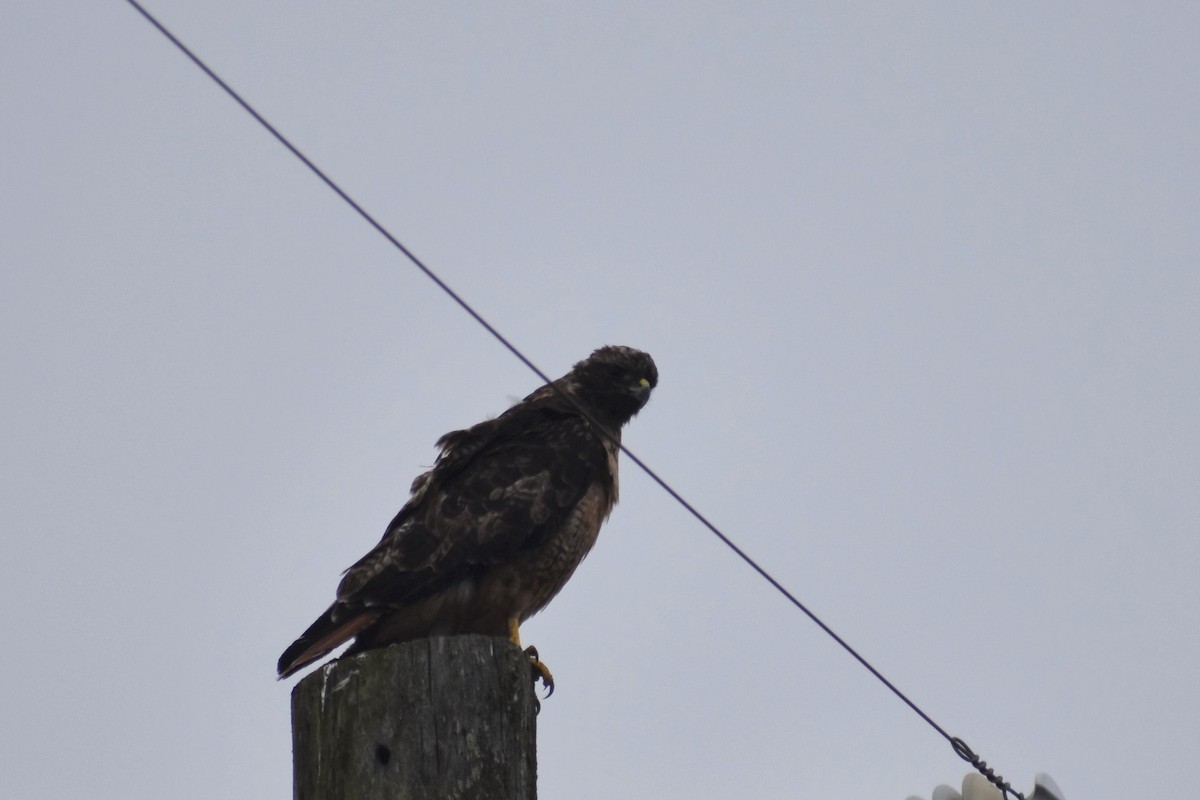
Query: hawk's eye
[643, 383]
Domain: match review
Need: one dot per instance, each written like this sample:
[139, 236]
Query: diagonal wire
[960, 747]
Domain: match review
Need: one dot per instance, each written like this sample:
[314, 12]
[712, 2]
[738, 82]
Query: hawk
[492, 532]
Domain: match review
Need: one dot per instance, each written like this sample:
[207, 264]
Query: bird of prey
[492, 532]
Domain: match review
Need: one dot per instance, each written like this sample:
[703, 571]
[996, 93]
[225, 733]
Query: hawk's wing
[497, 489]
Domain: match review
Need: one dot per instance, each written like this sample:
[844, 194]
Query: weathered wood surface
[448, 718]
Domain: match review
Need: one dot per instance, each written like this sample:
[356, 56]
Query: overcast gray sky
[921, 281]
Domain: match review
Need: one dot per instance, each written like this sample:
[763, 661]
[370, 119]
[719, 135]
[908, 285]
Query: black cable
[960, 747]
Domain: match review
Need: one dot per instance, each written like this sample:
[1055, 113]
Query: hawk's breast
[550, 565]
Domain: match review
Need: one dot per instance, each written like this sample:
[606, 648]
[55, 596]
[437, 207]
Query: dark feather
[501, 521]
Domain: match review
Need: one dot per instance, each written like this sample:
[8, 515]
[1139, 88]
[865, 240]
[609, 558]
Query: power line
[960, 747]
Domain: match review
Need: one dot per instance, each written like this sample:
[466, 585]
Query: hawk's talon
[540, 671]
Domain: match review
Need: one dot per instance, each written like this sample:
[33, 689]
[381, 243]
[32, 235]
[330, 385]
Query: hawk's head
[613, 383]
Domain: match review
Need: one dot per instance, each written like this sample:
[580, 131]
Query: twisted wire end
[965, 752]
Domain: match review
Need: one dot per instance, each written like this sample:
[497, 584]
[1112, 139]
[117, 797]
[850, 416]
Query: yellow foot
[540, 670]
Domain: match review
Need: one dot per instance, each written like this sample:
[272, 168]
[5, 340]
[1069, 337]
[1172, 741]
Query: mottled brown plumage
[495, 529]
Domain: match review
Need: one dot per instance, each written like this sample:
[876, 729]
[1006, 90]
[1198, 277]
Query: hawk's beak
[641, 392]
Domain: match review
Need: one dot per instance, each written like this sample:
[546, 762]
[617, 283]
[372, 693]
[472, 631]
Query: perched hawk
[494, 530]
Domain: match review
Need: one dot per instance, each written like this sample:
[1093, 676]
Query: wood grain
[446, 718]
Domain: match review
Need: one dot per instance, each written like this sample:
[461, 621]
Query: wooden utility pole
[448, 718]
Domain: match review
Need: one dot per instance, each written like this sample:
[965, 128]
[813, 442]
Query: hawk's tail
[323, 636]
